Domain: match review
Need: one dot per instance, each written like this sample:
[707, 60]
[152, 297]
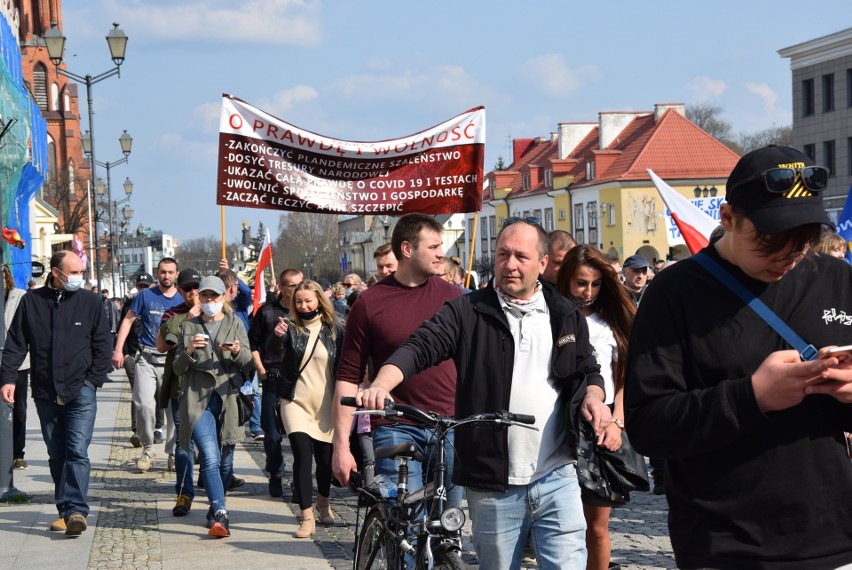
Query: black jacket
[474, 332]
[262, 326]
[292, 348]
[69, 341]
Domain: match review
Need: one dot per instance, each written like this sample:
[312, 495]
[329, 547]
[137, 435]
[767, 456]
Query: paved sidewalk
[131, 525]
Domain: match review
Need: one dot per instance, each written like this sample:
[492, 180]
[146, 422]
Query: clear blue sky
[381, 69]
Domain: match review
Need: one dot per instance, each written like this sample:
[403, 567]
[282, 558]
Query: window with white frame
[548, 219]
[579, 233]
[548, 178]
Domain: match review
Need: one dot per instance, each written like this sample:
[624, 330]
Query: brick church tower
[69, 170]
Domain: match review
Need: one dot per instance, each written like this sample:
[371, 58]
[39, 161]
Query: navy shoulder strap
[806, 351]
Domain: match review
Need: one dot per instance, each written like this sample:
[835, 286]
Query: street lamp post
[111, 208]
[126, 142]
[54, 41]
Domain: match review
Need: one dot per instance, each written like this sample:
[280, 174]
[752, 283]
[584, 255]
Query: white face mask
[74, 281]
[212, 309]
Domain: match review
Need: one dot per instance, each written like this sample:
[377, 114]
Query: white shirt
[533, 454]
[606, 352]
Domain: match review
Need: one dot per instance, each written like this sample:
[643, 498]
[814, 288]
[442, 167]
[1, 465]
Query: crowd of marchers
[744, 423]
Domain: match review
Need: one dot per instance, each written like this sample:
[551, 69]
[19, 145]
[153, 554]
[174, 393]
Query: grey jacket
[11, 306]
[207, 372]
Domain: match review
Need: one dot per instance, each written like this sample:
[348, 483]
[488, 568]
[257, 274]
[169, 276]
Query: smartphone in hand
[841, 353]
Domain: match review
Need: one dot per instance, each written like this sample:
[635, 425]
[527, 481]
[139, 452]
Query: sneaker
[236, 483]
[171, 464]
[275, 487]
[182, 506]
[135, 441]
[58, 524]
[20, 463]
[75, 525]
[158, 436]
[210, 517]
[220, 525]
[146, 461]
[659, 488]
[258, 436]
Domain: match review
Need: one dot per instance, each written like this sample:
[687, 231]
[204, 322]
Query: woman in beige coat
[212, 352]
[310, 345]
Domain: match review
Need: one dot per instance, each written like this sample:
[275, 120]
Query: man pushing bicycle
[516, 345]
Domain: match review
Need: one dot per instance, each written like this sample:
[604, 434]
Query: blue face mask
[74, 281]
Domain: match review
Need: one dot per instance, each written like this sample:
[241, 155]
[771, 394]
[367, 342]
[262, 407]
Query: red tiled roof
[673, 147]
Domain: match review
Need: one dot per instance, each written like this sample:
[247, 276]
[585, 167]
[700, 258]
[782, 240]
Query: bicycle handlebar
[393, 409]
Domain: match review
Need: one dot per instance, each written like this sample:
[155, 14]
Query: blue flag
[844, 225]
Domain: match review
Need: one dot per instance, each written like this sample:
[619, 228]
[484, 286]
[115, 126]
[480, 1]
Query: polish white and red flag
[265, 260]
[694, 224]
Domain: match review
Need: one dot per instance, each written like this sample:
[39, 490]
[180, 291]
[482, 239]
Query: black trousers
[19, 414]
[304, 447]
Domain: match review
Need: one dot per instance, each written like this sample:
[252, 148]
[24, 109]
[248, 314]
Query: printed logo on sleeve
[565, 340]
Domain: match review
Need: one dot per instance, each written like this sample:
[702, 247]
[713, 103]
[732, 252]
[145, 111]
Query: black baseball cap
[772, 212]
[637, 262]
[188, 277]
[144, 279]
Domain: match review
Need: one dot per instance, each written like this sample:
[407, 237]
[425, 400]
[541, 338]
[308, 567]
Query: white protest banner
[267, 163]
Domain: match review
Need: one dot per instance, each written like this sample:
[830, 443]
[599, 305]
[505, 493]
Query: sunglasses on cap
[781, 180]
[515, 219]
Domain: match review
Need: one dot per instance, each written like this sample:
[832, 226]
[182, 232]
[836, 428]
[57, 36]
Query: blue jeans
[184, 460]
[549, 509]
[67, 432]
[272, 441]
[254, 420]
[217, 463]
[424, 439]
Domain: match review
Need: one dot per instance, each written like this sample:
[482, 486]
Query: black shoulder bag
[607, 477]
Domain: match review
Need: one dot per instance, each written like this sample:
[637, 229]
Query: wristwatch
[619, 422]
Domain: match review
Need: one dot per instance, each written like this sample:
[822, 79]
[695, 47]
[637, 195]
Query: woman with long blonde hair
[590, 281]
[310, 343]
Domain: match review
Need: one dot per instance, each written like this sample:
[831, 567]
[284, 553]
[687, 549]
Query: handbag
[245, 402]
[607, 477]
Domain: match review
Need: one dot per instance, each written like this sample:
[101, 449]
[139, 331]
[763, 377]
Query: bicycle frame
[421, 514]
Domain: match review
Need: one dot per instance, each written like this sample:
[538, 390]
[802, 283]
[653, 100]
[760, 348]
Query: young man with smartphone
[757, 470]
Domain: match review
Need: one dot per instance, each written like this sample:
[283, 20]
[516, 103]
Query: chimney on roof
[661, 108]
[520, 148]
[571, 135]
[612, 123]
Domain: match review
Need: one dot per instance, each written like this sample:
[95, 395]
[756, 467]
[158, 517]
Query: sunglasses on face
[530, 220]
[189, 288]
[348, 284]
[781, 180]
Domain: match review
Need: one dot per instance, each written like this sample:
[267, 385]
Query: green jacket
[207, 372]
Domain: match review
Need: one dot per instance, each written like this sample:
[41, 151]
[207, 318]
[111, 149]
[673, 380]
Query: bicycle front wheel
[449, 560]
[375, 549]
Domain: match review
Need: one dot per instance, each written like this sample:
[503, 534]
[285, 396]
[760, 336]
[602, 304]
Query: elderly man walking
[67, 334]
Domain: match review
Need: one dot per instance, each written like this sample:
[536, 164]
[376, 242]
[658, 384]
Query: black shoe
[220, 527]
[275, 488]
[659, 489]
[236, 483]
[200, 483]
